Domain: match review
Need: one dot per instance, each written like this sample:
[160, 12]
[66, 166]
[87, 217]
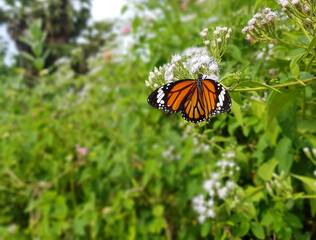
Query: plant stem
[275, 86]
[303, 29]
[304, 104]
[310, 62]
[291, 44]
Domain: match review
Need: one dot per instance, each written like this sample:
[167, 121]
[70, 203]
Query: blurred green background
[83, 156]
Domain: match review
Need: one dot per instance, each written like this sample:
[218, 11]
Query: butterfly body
[196, 99]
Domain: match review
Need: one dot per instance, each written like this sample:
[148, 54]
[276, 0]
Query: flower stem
[275, 86]
[291, 44]
[303, 29]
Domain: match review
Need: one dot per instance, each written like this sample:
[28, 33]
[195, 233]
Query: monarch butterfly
[196, 99]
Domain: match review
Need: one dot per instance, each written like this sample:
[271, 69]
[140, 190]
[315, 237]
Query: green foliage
[83, 156]
[36, 42]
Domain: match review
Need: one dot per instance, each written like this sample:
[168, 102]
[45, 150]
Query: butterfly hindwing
[193, 108]
[216, 98]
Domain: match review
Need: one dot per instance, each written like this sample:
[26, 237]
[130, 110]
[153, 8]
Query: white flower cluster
[170, 154]
[266, 52]
[219, 187]
[216, 44]
[200, 146]
[222, 33]
[155, 77]
[227, 167]
[279, 186]
[261, 22]
[197, 60]
[296, 5]
[193, 61]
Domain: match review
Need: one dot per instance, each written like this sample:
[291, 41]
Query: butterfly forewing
[171, 96]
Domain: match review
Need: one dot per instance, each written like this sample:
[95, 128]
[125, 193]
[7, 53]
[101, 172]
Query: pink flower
[81, 151]
[184, 6]
[126, 29]
[248, 38]
[107, 55]
[271, 71]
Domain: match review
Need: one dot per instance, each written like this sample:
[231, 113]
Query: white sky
[105, 9]
[101, 10]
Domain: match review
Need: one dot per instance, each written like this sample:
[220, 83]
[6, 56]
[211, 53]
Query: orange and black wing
[215, 98]
[193, 109]
[170, 97]
[195, 103]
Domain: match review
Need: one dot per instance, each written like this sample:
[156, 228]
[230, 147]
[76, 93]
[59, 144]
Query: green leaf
[237, 113]
[267, 219]
[295, 70]
[283, 155]
[310, 182]
[254, 193]
[235, 52]
[205, 229]
[28, 56]
[158, 210]
[236, 97]
[286, 233]
[244, 69]
[37, 49]
[277, 102]
[241, 228]
[124, 9]
[310, 187]
[26, 41]
[150, 167]
[266, 170]
[310, 46]
[293, 220]
[38, 63]
[257, 230]
[287, 120]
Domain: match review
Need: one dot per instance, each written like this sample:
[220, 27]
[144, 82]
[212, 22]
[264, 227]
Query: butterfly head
[199, 81]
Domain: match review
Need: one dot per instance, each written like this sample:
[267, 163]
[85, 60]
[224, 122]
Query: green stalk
[275, 86]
